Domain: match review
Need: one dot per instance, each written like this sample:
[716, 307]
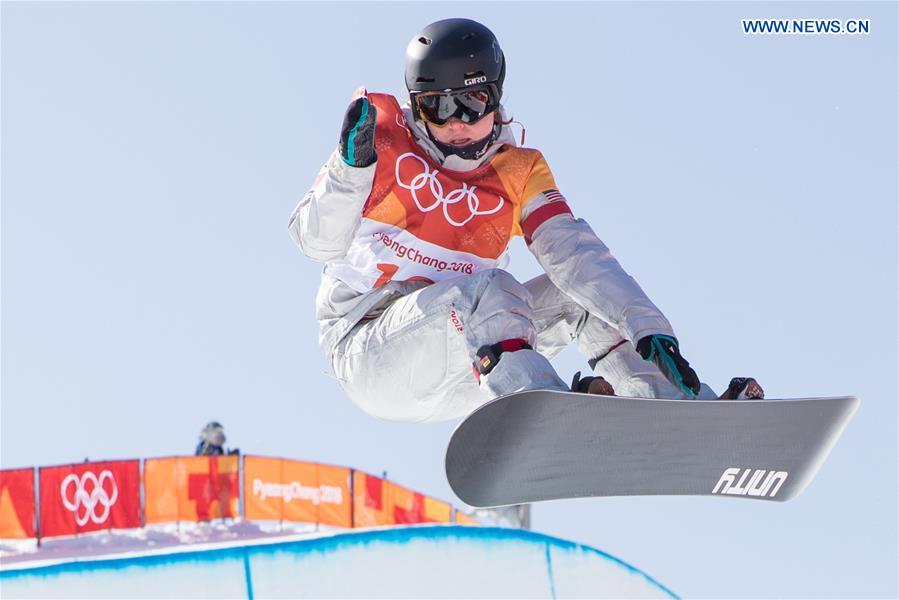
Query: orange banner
[16, 503]
[463, 519]
[290, 490]
[437, 511]
[194, 488]
[408, 506]
[379, 502]
[372, 505]
[336, 480]
[411, 507]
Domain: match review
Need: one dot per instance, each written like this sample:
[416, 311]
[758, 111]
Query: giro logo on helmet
[427, 180]
[474, 80]
[88, 492]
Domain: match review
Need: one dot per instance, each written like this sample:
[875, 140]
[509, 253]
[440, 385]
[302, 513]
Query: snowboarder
[412, 215]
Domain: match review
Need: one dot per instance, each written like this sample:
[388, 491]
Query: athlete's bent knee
[503, 281]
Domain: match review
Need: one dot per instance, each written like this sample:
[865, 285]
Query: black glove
[662, 350]
[357, 137]
[582, 385]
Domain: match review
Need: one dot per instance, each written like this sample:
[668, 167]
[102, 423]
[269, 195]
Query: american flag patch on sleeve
[554, 196]
[555, 205]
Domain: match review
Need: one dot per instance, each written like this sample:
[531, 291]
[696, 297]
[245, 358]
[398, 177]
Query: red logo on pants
[457, 323]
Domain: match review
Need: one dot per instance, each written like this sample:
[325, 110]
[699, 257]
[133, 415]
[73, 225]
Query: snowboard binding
[591, 385]
[743, 388]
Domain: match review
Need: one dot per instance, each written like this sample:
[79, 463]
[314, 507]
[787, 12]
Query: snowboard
[547, 445]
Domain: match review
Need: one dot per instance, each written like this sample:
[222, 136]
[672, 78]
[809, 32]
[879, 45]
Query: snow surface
[247, 560]
[168, 537]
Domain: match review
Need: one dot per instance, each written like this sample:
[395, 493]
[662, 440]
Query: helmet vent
[424, 80]
[468, 36]
[425, 41]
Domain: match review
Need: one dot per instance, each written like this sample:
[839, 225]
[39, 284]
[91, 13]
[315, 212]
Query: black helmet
[453, 54]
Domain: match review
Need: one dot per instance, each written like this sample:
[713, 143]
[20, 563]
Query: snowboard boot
[591, 385]
[743, 388]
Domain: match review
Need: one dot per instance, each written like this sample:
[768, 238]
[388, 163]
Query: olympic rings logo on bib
[89, 500]
[428, 179]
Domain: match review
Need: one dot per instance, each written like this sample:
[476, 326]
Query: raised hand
[357, 136]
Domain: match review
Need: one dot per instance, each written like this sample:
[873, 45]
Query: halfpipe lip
[313, 541]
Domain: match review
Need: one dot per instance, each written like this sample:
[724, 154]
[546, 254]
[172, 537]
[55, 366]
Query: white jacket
[575, 259]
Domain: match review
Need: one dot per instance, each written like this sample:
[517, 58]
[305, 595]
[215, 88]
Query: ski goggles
[468, 106]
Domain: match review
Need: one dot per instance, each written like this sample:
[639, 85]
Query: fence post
[352, 498]
[241, 500]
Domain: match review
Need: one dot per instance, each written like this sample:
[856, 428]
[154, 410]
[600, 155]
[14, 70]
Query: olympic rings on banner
[90, 500]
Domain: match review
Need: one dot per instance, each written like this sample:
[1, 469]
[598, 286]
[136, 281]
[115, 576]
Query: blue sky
[152, 152]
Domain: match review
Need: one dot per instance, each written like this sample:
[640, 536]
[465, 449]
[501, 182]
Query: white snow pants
[414, 361]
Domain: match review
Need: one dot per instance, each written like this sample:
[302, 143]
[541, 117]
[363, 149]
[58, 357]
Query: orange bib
[422, 222]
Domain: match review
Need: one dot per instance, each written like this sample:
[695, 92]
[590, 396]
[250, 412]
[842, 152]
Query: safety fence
[121, 494]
